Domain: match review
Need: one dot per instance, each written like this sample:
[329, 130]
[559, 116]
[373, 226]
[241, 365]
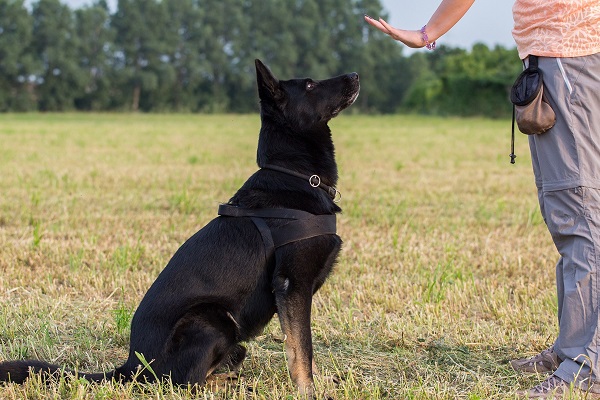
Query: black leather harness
[301, 225]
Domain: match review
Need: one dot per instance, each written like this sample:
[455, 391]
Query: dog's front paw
[306, 391]
[331, 379]
[327, 396]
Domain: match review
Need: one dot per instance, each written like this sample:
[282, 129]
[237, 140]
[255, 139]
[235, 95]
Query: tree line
[198, 56]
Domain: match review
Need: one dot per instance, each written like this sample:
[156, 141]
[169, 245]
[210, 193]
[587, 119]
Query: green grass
[447, 270]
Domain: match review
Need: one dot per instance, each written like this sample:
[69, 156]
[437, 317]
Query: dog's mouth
[346, 103]
[353, 98]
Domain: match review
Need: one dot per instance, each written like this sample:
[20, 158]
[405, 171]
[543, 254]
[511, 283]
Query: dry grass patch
[447, 270]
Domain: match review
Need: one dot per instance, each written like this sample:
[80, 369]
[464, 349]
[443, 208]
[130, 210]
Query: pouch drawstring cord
[512, 139]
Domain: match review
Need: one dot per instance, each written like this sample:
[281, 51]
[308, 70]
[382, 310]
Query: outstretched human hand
[412, 39]
[448, 13]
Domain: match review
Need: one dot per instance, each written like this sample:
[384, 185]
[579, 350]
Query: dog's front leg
[293, 309]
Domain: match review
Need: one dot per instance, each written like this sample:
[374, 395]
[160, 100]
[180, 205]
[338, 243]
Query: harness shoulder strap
[301, 229]
[266, 235]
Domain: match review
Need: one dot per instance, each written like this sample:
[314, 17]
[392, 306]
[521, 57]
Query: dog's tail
[19, 371]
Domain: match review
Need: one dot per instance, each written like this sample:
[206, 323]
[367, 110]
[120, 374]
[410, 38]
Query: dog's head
[305, 103]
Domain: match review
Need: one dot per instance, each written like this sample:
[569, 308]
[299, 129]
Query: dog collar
[313, 180]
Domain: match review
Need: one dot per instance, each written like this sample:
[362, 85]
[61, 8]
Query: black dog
[269, 251]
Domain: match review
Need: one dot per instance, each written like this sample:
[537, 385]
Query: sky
[488, 21]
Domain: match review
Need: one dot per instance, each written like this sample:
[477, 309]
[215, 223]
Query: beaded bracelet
[430, 46]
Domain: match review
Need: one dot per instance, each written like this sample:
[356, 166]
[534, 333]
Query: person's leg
[574, 221]
[547, 361]
[566, 163]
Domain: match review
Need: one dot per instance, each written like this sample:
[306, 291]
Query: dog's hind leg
[199, 343]
[235, 358]
[228, 371]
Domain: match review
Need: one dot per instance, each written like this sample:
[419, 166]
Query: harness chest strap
[302, 224]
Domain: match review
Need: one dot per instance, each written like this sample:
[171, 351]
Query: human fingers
[409, 38]
[376, 24]
[388, 28]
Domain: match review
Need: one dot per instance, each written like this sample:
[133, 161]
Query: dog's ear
[268, 85]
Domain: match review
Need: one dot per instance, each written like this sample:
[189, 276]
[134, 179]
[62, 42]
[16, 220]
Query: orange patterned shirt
[557, 28]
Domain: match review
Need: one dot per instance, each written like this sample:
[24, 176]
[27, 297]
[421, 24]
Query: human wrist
[425, 38]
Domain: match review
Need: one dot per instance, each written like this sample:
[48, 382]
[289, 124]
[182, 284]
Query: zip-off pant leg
[573, 218]
[566, 165]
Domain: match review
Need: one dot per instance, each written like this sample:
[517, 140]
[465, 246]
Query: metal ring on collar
[336, 195]
[312, 182]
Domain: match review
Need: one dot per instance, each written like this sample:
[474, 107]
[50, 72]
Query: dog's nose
[353, 76]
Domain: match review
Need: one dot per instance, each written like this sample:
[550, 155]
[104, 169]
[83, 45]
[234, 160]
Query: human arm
[448, 13]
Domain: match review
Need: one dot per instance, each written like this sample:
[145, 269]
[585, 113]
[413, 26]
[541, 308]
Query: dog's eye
[310, 85]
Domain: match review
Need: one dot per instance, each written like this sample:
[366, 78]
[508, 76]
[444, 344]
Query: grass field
[447, 270]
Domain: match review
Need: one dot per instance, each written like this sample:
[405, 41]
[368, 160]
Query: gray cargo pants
[566, 165]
